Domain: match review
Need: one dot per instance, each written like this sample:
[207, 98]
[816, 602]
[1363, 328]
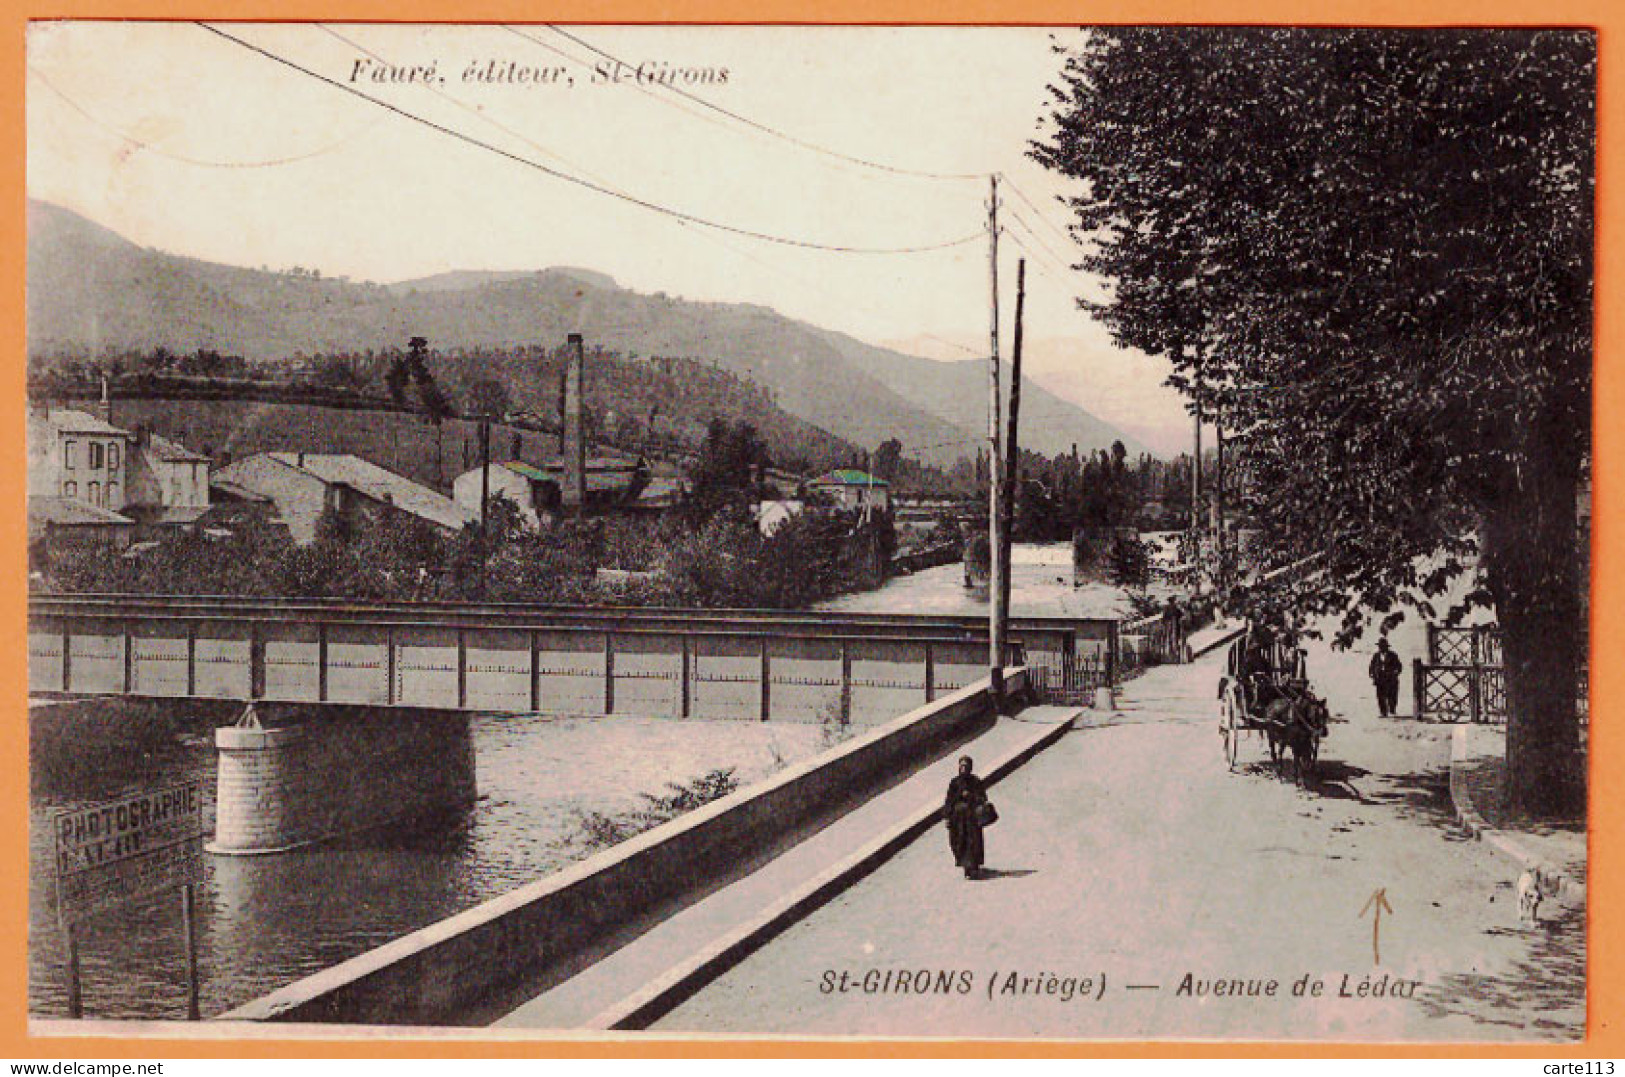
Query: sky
[182, 140]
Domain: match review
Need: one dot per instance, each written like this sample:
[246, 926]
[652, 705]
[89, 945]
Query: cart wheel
[1232, 727]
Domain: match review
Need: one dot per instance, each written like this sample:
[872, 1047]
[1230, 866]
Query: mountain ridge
[90, 289]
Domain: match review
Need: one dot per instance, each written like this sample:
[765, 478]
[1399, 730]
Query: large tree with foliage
[728, 471]
[1371, 253]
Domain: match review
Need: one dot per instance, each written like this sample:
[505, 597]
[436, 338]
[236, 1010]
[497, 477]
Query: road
[1128, 859]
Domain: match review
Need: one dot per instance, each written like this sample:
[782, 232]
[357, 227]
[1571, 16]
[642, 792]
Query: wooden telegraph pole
[1218, 498]
[485, 469]
[1196, 499]
[995, 628]
[1012, 451]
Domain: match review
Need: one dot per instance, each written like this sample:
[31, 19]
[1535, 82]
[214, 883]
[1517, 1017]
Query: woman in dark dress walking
[963, 810]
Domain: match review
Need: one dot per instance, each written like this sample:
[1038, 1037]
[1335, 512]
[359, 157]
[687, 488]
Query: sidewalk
[1465, 755]
[681, 953]
[1556, 852]
[1213, 637]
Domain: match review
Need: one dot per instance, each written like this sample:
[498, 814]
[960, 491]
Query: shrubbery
[603, 831]
[725, 562]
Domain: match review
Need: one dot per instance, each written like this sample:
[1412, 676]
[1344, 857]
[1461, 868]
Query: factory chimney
[574, 490]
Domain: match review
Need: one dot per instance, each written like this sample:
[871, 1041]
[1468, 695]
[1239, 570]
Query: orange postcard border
[1605, 997]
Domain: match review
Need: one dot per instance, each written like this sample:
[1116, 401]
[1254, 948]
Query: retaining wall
[472, 966]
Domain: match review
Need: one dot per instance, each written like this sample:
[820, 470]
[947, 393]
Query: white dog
[1529, 896]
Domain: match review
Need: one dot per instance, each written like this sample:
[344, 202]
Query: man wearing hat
[1385, 670]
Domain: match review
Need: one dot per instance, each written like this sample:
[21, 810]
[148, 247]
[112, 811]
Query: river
[265, 921]
[1040, 586]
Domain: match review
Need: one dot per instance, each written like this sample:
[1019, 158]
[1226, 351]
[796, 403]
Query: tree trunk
[1532, 562]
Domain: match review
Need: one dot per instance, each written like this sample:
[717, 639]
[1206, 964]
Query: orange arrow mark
[1378, 904]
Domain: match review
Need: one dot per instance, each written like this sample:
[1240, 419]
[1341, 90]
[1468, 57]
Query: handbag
[986, 813]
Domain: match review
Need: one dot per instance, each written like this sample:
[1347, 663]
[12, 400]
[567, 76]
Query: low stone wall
[342, 770]
[464, 970]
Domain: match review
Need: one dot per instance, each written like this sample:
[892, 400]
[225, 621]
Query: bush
[1130, 563]
[602, 831]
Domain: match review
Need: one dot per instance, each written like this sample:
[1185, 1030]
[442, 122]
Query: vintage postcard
[1024, 533]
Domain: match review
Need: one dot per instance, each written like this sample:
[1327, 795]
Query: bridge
[523, 658]
[394, 682]
[810, 904]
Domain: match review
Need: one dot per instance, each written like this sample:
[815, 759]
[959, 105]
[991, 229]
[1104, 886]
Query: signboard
[107, 854]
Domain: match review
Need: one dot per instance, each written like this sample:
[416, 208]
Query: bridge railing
[812, 669]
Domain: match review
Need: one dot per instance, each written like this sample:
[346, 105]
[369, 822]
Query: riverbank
[265, 921]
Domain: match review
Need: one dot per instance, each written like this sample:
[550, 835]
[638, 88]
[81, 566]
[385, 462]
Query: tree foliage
[1369, 253]
[888, 458]
[728, 472]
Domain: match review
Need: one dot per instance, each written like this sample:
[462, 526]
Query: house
[163, 472]
[168, 483]
[611, 482]
[771, 515]
[660, 496]
[305, 485]
[78, 456]
[66, 522]
[851, 488]
[144, 479]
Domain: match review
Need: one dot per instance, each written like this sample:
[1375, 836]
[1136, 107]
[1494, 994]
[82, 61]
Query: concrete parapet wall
[349, 769]
[461, 969]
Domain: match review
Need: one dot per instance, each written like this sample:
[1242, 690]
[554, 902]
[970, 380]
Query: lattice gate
[1464, 679]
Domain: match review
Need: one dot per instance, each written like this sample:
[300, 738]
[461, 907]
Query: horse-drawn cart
[1265, 691]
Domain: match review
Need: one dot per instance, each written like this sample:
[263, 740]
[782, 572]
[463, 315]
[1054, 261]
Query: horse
[1294, 722]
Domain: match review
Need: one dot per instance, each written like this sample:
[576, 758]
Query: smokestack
[104, 408]
[575, 448]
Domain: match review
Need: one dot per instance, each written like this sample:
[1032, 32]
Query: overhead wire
[485, 117]
[1055, 258]
[472, 110]
[1065, 236]
[646, 90]
[200, 162]
[763, 127]
[643, 203]
[681, 217]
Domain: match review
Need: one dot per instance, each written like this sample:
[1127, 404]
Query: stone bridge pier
[295, 774]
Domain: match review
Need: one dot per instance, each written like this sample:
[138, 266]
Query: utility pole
[1196, 496]
[995, 628]
[1218, 496]
[1012, 451]
[1196, 469]
[485, 470]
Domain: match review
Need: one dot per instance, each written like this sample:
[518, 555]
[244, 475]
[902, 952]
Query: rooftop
[848, 476]
[173, 451]
[69, 421]
[71, 512]
[554, 468]
[381, 485]
[237, 491]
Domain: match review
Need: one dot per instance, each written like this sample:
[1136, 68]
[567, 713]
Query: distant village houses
[537, 490]
[92, 483]
[772, 515]
[851, 488]
[303, 486]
